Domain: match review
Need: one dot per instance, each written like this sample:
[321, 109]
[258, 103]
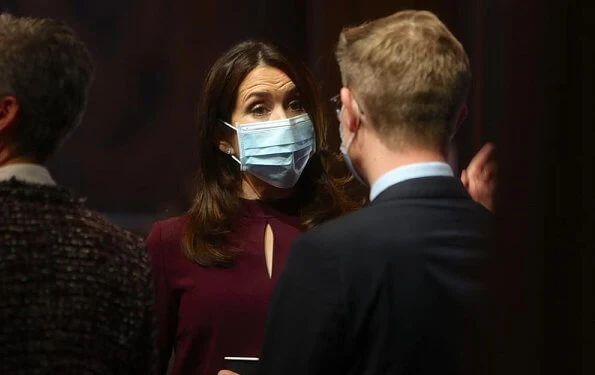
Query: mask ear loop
[228, 125]
[229, 151]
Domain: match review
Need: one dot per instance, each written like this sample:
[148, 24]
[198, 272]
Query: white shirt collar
[408, 172]
[30, 173]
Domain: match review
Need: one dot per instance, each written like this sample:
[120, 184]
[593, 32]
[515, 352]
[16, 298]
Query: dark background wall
[133, 156]
[134, 151]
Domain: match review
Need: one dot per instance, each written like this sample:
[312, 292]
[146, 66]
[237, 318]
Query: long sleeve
[304, 333]
[166, 304]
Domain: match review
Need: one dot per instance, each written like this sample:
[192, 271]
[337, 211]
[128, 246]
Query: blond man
[395, 287]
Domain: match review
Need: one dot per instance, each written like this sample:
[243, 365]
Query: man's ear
[9, 111]
[350, 109]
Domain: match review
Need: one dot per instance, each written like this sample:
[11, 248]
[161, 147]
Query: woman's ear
[225, 140]
[226, 147]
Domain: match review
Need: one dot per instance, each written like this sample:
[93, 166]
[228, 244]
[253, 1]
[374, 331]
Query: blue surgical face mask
[276, 152]
[345, 152]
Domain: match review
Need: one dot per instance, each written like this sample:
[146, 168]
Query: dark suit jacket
[391, 289]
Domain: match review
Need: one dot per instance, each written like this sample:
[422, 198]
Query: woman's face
[266, 94]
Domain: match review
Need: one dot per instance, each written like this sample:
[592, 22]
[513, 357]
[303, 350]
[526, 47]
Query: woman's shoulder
[167, 233]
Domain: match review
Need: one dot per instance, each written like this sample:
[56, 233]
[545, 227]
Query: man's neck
[6, 158]
[384, 160]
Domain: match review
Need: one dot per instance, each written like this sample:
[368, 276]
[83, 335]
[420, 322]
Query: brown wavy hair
[320, 194]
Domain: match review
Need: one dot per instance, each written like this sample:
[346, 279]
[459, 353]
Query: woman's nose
[279, 113]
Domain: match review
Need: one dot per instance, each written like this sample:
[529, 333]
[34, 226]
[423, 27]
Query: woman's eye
[258, 110]
[296, 105]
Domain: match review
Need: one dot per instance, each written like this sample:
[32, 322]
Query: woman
[263, 178]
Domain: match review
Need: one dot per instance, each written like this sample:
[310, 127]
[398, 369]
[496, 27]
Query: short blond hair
[409, 74]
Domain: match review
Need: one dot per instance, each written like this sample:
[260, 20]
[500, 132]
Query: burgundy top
[206, 314]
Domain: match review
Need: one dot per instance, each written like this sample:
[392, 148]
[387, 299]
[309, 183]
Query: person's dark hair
[49, 70]
[320, 195]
